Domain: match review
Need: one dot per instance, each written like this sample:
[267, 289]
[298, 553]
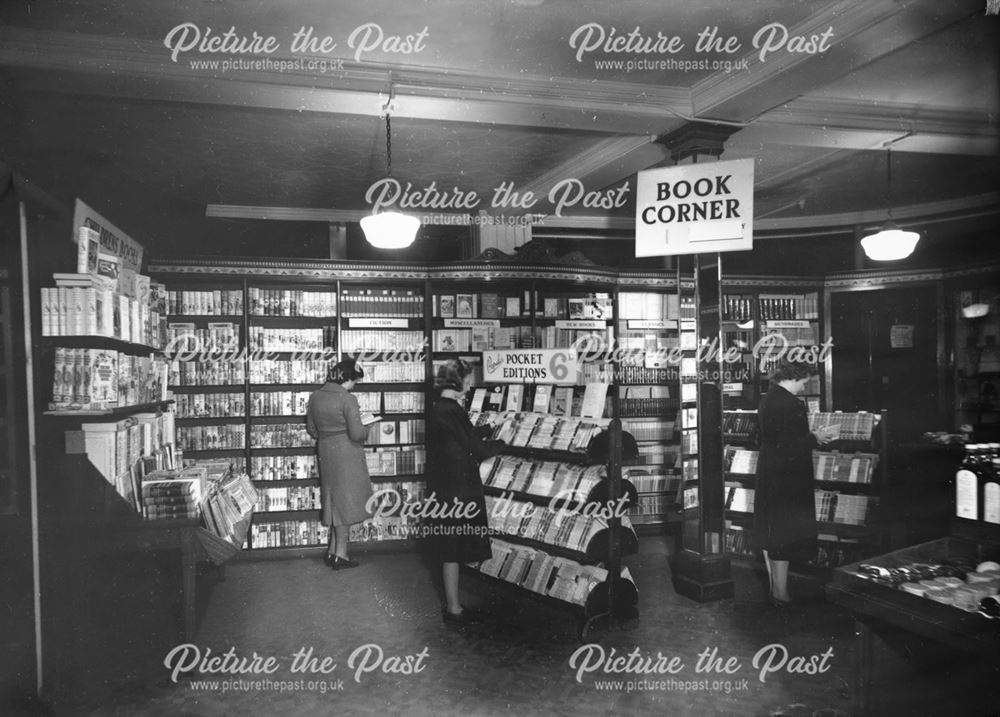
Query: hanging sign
[113, 240]
[694, 208]
[530, 366]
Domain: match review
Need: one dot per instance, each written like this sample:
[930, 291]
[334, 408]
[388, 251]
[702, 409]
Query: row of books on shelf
[653, 454]
[495, 306]
[831, 506]
[572, 530]
[356, 302]
[401, 461]
[211, 438]
[291, 302]
[306, 497]
[264, 338]
[651, 481]
[491, 338]
[280, 403]
[647, 305]
[280, 435]
[545, 479]
[739, 425]
[627, 374]
[541, 431]
[649, 429]
[210, 405]
[233, 372]
[651, 508]
[309, 533]
[781, 307]
[545, 574]
[103, 379]
[391, 401]
[355, 341]
[832, 551]
[393, 371]
[115, 448]
[263, 371]
[388, 433]
[851, 426]
[214, 302]
[792, 335]
[844, 467]
[638, 401]
[836, 507]
[221, 336]
[591, 402]
[86, 304]
[221, 372]
[273, 468]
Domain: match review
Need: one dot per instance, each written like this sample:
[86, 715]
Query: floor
[381, 626]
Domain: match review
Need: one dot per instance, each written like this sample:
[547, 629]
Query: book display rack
[849, 475]
[558, 530]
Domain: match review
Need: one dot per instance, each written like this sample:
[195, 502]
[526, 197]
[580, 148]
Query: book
[88, 243]
[109, 266]
[446, 306]
[465, 306]
[543, 394]
[368, 419]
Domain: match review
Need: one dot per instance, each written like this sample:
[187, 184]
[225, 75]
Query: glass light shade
[390, 230]
[890, 243]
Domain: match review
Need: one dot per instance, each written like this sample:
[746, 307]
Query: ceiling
[517, 92]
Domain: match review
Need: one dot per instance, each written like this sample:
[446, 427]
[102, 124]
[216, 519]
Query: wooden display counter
[915, 655]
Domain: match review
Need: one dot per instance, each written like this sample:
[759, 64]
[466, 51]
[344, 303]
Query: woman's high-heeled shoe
[328, 560]
[340, 563]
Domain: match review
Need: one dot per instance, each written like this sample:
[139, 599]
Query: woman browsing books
[784, 505]
[454, 451]
[334, 419]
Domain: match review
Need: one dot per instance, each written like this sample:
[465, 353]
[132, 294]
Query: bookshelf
[762, 320]
[849, 479]
[269, 342]
[648, 386]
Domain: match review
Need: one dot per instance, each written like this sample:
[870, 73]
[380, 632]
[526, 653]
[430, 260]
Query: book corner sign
[694, 208]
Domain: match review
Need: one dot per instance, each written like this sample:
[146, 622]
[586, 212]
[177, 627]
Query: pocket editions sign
[694, 208]
[530, 366]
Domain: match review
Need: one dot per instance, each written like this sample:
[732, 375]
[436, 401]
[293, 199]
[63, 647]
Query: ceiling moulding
[946, 210]
[309, 214]
[865, 31]
[143, 70]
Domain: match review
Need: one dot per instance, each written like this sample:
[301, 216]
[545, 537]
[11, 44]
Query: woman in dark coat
[784, 504]
[455, 492]
[333, 417]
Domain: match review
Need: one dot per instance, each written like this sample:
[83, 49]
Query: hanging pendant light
[389, 230]
[890, 242]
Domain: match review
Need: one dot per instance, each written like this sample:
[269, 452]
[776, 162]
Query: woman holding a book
[784, 504]
[334, 419]
[459, 523]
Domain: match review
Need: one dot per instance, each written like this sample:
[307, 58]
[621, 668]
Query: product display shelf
[763, 319]
[860, 465]
[648, 401]
[563, 551]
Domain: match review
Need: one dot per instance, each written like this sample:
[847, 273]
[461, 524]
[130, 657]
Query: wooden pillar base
[704, 578]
